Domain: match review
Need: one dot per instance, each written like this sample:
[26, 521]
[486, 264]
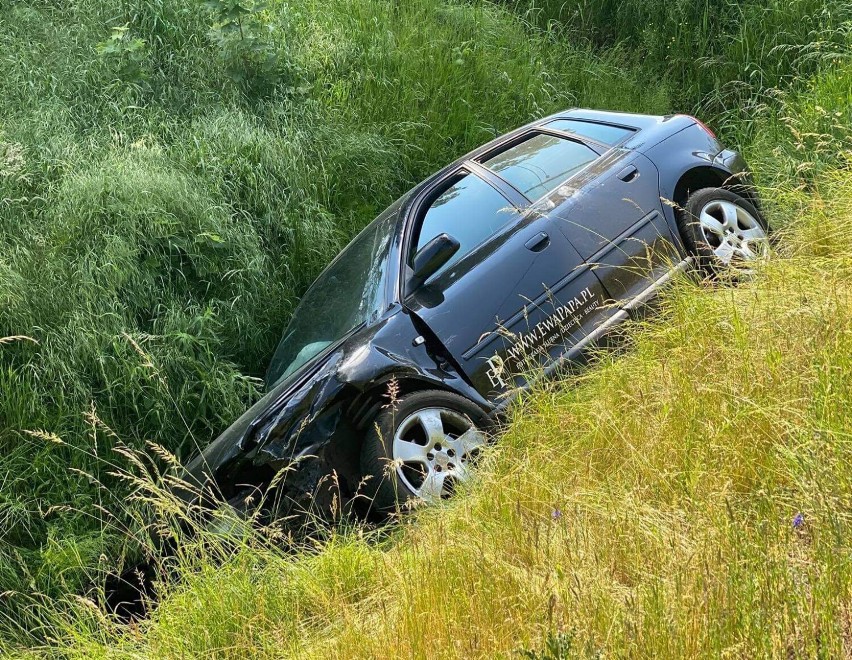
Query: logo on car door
[541, 338]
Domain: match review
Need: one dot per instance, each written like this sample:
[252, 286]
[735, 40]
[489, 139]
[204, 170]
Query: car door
[515, 295]
[613, 216]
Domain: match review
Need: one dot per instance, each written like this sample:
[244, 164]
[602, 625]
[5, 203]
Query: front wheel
[421, 447]
[723, 229]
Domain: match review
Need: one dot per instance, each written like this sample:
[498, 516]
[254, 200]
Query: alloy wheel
[732, 233]
[433, 449]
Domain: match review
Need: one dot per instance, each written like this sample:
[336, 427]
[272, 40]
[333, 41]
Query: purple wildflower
[556, 514]
[798, 521]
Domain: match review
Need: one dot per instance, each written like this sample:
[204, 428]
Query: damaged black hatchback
[511, 261]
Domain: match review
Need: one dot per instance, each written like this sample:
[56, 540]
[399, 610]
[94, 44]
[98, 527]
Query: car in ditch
[507, 264]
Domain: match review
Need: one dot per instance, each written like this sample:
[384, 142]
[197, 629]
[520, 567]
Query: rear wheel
[723, 229]
[421, 448]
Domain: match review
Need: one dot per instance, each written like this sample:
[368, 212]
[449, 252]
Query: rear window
[470, 211]
[604, 133]
[538, 165]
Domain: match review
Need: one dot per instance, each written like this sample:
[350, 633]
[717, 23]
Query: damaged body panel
[333, 399]
[513, 259]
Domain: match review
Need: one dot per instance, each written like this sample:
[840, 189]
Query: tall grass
[689, 497]
[160, 218]
[171, 209]
[721, 56]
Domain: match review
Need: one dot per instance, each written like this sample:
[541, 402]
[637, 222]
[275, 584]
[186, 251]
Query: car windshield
[347, 294]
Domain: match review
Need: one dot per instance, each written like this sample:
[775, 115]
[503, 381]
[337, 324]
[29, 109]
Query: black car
[509, 262]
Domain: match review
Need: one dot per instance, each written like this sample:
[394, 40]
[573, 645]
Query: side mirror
[431, 257]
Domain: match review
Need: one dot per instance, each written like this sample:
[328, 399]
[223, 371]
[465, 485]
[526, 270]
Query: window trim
[600, 149]
[515, 196]
[632, 130]
[423, 202]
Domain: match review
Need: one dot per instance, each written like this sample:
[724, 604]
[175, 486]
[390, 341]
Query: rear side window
[538, 165]
[470, 211]
[604, 133]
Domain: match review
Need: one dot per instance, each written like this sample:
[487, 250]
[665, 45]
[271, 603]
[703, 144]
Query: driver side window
[470, 211]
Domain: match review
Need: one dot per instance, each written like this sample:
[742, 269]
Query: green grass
[177, 210]
[648, 510]
[164, 203]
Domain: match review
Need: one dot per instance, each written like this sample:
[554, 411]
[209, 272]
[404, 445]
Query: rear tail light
[704, 126]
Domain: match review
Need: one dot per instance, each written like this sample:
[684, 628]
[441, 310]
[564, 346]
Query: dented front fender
[294, 423]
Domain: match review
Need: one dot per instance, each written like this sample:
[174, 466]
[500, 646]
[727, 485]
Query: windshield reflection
[349, 293]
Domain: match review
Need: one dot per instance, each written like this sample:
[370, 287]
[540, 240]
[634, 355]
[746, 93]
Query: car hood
[299, 393]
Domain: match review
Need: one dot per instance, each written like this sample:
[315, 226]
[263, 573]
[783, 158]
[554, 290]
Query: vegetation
[173, 174]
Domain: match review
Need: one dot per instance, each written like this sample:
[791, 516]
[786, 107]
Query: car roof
[649, 130]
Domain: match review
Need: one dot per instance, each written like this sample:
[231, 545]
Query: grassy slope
[686, 459]
[647, 511]
[178, 211]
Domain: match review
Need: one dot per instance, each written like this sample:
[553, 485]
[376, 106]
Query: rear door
[614, 218]
[518, 293]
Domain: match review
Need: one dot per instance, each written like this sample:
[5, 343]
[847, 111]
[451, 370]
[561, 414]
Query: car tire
[722, 229]
[418, 449]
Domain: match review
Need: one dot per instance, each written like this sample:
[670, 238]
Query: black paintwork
[536, 293]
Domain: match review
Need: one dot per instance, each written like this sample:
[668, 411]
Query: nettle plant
[243, 32]
[126, 51]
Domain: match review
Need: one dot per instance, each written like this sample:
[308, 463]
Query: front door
[517, 292]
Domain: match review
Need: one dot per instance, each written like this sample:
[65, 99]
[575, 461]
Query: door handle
[538, 242]
[628, 173]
